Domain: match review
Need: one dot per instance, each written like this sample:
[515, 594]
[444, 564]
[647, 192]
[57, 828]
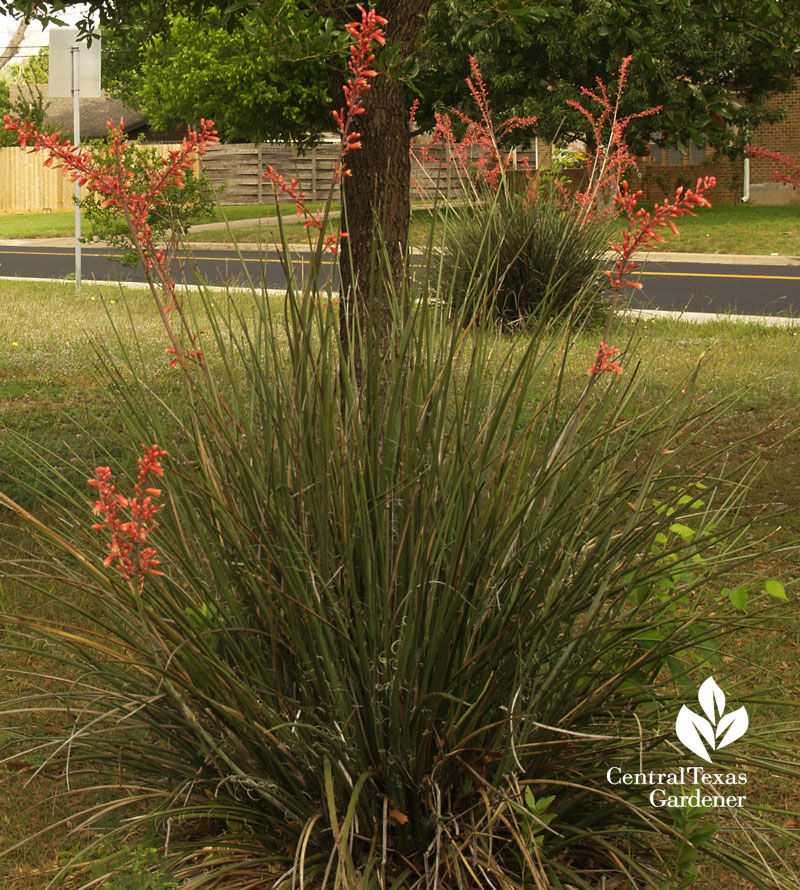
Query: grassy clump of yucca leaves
[410, 615]
[527, 256]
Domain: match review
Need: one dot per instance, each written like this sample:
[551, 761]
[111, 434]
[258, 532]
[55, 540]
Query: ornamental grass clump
[395, 621]
[526, 256]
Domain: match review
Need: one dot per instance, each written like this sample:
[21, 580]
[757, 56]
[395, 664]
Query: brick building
[663, 170]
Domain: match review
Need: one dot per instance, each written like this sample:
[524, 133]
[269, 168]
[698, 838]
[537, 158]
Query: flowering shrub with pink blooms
[393, 624]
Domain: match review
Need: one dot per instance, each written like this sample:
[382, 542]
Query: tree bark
[14, 44]
[377, 211]
[376, 196]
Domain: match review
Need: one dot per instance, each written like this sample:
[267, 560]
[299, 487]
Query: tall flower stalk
[786, 170]
[114, 183]
[477, 154]
[364, 33]
[609, 158]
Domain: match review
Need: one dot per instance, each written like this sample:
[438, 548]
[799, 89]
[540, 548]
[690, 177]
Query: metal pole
[76, 127]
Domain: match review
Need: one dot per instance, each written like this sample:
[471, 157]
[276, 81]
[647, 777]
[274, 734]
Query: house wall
[661, 172]
[784, 137]
[659, 179]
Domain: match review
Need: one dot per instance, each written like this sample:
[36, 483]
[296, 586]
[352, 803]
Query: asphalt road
[739, 289]
[215, 266]
[696, 286]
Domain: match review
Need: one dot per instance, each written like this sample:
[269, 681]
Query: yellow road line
[68, 252]
[724, 275]
[304, 260]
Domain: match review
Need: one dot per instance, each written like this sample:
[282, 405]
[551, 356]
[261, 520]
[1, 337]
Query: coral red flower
[642, 226]
[113, 182]
[130, 520]
[478, 148]
[602, 362]
[364, 33]
[787, 170]
[605, 166]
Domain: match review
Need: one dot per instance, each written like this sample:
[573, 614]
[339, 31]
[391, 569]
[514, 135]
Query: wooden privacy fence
[238, 170]
[27, 186]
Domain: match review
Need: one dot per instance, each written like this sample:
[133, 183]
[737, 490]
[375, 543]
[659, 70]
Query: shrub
[193, 199]
[528, 256]
[401, 635]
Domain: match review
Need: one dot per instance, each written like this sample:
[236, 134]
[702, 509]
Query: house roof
[95, 113]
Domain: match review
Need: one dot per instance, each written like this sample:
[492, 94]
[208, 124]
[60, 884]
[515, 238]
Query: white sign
[61, 42]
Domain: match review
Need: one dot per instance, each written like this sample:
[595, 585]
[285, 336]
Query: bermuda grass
[50, 393]
[738, 229]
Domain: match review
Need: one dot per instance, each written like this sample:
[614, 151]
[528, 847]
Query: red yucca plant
[401, 625]
[786, 170]
[532, 249]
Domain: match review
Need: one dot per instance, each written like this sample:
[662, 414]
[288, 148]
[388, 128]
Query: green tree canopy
[252, 79]
[34, 69]
[711, 64]
[262, 70]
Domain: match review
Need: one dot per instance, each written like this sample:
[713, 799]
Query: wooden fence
[27, 186]
[238, 170]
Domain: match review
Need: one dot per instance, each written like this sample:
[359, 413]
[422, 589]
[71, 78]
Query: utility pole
[75, 50]
[74, 71]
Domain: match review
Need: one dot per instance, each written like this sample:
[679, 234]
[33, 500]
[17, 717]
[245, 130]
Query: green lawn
[49, 392]
[724, 229]
[738, 228]
[62, 223]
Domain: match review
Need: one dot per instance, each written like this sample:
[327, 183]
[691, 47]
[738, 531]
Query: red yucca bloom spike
[607, 165]
[363, 33]
[642, 231]
[786, 171]
[130, 520]
[642, 226]
[481, 137]
[113, 182]
[601, 360]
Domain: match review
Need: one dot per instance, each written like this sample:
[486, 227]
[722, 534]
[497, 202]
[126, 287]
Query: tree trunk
[14, 44]
[377, 200]
[377, 210]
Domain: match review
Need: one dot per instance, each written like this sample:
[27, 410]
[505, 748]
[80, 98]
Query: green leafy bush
[524, 256]
[181, 204]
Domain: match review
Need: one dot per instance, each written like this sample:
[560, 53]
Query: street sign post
[74, 71]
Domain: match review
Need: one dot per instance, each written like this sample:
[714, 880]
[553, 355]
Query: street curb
[771, 321]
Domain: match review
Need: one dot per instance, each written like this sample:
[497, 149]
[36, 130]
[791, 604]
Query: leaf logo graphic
[717, 729]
